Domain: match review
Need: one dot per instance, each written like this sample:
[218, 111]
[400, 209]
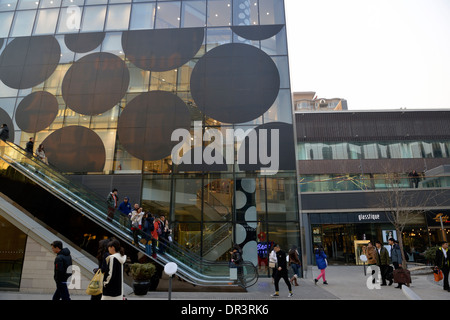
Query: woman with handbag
[113, 280]
[273, 263]
[102, 253]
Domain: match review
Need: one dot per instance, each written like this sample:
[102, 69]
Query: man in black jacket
[442, 261]
[62, 261]
[281, 271]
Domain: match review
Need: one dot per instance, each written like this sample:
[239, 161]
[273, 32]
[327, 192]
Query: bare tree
[403, 204]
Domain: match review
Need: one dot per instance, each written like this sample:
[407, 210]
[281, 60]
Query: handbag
[272, 265]
[95, 287]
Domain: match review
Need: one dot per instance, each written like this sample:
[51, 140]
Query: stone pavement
[345, 283]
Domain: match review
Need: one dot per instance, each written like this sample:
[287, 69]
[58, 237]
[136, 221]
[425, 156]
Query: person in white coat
[113, 278]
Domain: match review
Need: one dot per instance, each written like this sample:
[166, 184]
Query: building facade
[352, 162]
[104, 84]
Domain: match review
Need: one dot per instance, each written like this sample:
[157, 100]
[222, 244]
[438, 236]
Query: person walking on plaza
[322, 263]
[273, 262]
[102, 253]
[396, 257]
[382, 256]
[294, 262]
[113, 279]
[281, 272]
[63, 261]
[442, 261]
[111, 202]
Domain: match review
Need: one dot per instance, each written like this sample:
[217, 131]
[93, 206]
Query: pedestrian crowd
[150, 230]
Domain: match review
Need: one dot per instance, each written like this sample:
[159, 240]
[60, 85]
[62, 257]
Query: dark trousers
[62, 292]
[383, 270]
[445, 272]
[281, 275]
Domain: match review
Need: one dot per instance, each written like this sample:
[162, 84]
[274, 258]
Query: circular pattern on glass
[162, 49]
[281, 155]
[95, 83]
[75, 149]
[146, 124]
[257, 32]
[83, 42]
[29, 61]
[36, 111]
[235, 83]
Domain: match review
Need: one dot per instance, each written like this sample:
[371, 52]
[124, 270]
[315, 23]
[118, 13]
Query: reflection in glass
[168, 15]
[93, 18]
[46, 21]
[193, 14]
[142, 16]
[23, 23]
[118, 17]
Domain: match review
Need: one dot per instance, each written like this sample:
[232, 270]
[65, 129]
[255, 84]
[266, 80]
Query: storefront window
[12, 253]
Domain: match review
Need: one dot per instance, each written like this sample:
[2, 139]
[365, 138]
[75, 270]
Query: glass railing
[358, 183]
[191, 267]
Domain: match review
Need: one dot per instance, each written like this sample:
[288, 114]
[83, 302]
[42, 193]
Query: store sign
[434, 218]
[348, 217]
[369, 217]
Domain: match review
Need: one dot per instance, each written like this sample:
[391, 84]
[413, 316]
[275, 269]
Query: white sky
[376, 54]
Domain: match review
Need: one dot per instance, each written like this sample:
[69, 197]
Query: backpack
[160, 228]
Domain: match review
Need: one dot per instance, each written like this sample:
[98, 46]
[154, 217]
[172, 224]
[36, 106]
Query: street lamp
[170, 269]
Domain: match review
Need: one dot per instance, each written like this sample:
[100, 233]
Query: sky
[376, 54]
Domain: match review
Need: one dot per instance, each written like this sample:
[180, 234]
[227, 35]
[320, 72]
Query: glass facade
[373, 150]
[109, 81]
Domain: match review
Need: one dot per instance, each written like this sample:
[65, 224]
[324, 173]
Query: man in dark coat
[281, 271]
[62, 261]
[383, 262]
[442, 261]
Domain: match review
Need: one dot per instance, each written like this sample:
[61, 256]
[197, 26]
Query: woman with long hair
[113, 280]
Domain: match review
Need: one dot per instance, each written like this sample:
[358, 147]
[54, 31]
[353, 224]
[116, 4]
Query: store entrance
[338, 240]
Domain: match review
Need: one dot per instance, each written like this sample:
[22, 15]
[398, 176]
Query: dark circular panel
[235, 83]
[5, 118]
[36, 111]
[28, 61]
[162, 49]
[83, 42]
[75, 149]
[146, 124]
[257, 32]
[95, 83]
[286, 154]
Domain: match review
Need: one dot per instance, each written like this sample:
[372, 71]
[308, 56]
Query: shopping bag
[95, 287]
[438, 276]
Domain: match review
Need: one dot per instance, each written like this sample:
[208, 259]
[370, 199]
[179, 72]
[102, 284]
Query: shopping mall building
[115, 90]
[185, 107]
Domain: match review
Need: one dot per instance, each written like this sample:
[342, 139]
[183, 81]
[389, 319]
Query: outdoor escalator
[45, 181]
